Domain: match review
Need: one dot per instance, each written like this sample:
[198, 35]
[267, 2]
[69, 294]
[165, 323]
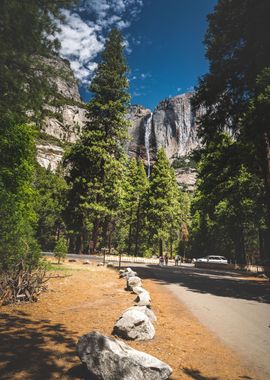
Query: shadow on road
[222, 284]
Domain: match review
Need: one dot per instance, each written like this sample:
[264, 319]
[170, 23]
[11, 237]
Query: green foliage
[50, 204]
[61, 248]
[27, 40]
[232, 205]
[44, 138]
[27, 34]
[227, 206]
[17, 216]
[131, 232]
[162, 205]
[184, 163]
[97, 160]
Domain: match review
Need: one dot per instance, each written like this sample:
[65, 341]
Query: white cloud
[83, 35]
[80, 44]
[145, 75]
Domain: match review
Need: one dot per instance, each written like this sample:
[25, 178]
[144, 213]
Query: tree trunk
[129, 235]
[171, 250]
[79, 243]
[71, 244]
[160, 247]
[95, 233]
[266, 234]
[110, 241]
[239, 244]
[261, 244]
[137, 231]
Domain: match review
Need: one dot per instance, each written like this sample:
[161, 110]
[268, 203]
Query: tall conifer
[97, 160]
[163, 207]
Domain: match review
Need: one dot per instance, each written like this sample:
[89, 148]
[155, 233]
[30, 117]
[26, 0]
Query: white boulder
[134, 325]
[110, 359]
[133, 282]
[143, 299]
[144, 309]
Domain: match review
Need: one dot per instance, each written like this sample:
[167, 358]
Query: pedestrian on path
[166, 259]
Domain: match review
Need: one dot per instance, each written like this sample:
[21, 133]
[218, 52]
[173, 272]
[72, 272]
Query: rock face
[49, 155]
[110, 359]
[65, 119]
[137, 116]
[172, 126]
[134, 325]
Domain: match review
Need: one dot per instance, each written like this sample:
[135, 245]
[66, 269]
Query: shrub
[60, 250]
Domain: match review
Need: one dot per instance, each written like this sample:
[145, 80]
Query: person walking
[166, 259]
[176, 260]
[161, 260]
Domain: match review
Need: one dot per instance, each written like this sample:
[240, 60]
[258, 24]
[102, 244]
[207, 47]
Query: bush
[22, 284]
[60, 250]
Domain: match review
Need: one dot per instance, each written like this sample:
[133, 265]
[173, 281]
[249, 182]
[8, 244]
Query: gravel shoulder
[38, 341]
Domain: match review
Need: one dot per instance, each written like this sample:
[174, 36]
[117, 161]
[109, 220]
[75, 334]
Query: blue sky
[165, 51]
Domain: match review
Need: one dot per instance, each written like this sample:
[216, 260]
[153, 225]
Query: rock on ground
[138, 290]
[144, 309]
[128, 274]
[133, 282]
[143, 299]
[110, 359]
[134, 325]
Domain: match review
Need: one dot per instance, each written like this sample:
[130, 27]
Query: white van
[213, 259]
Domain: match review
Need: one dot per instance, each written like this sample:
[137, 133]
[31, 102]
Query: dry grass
[38, 341]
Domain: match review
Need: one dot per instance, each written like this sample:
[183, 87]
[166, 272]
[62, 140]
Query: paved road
[235, 309]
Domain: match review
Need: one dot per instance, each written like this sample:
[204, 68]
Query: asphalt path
[235, 308]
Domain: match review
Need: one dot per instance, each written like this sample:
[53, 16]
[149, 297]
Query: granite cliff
[172, 126]
[65, 118]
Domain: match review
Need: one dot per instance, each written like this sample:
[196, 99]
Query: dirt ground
[38, 341]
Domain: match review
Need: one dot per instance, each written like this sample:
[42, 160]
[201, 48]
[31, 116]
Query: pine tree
[27, 34]
[227, 206]
[17, 215]
[61, 249]
[97, 160]
[132, 216]
[237, 31]
[51, 190]
[163, 207]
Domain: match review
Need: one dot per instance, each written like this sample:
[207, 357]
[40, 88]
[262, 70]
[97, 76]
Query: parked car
[213, 259]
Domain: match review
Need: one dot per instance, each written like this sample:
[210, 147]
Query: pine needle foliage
[97, 161]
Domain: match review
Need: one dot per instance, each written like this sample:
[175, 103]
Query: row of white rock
[110, 359]
[136, 322]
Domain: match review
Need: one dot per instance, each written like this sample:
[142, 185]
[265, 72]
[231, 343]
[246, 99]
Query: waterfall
[147, 135]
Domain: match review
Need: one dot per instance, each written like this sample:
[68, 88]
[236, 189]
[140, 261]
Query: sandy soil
[38, 341]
